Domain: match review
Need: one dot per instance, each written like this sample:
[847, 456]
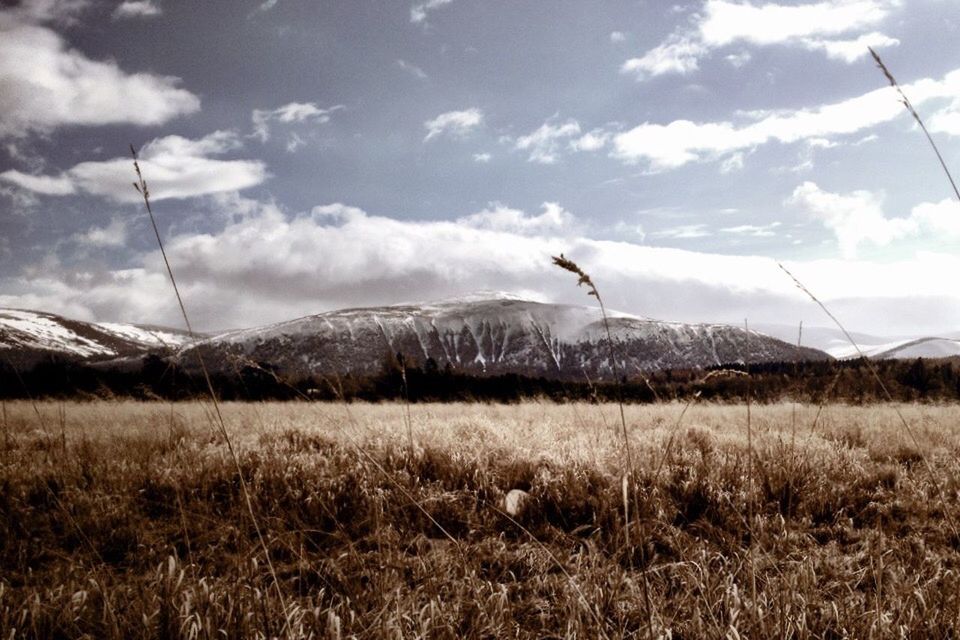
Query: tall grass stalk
[141, 186]
[750, 473]
[406, 402]
[916, 116]
[584, 279]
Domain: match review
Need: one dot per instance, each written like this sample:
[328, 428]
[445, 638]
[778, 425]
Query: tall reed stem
[141, 186]
[916, 116]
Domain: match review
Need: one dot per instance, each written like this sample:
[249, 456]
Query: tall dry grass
[848, 541]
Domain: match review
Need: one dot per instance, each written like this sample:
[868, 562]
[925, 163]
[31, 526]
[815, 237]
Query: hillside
[489, 335]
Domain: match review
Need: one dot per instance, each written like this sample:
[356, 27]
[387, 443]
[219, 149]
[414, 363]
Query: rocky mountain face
[28, 337]
[488, 335]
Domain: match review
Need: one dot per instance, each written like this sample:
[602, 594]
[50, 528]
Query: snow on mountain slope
[904, 349]
[27, 336]
[33, 330]
[834, 342]
[489, 334]
[154, 337]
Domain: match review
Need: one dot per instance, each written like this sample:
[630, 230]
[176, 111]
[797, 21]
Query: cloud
[617, 37]
[554, 220]
[725, 23]
[418, 12]
[739, 59]
[721, 23]
[412, 69]
[266, 265]
[548, 140]
[942, 218]
[679, 54]
[45, 84]
[684, 232]
[44, 185]
[850, 51]
[136, 9]
[482, 157]
[456, 124]
[111, 236]
[293, 112]
[946, 120]
[175, 167]
[732, 163]
[682, 141]
[753, 230]
[857, 218]
[591, 141]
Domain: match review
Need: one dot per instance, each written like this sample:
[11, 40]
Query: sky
[306, 155]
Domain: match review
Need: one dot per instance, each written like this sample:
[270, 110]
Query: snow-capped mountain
[29, 336]
[489, 334]
[834, 342]
[908, 348]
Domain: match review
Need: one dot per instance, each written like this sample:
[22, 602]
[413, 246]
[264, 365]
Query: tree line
[400, 377]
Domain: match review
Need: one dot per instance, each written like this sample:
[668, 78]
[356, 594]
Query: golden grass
[848, 536]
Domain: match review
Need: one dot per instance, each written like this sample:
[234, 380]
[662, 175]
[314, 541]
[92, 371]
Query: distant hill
[27, 337]
[834, 342]
[489, 334]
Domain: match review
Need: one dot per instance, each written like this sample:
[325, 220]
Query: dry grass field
[127, 520]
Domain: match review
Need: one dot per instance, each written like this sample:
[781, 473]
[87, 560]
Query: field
[127, 520]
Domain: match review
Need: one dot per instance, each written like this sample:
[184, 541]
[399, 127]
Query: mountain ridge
[488, 335]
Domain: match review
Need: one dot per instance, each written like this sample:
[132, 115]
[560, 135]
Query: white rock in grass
[515, 501]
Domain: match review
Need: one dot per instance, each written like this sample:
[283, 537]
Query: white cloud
[722, 23]
[677, 55]
[946, 120]
[412, 69]
[617, 37]
[456, 124]
[854, 218]
[136, 9]
[732, 163]
[629, 231]
[726, 22]
[739, 59]
[545, 144]
[942, 217]
[482, 157]
[45, 84]
[294, 142]
[174, 167]
[753, 230]
[850, 51]
[858, 217]
[44, 185]
[554, 220]
[591, 141]
[682, 141]
[110, 236]
[293, 112]
[263, 266]
[684, 232]
[418, 12]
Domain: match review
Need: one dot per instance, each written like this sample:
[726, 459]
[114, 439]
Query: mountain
[488, 334]
[908, 348]
[27, 337]
[834, 342]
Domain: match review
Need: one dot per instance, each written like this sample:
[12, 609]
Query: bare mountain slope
[487, 335]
